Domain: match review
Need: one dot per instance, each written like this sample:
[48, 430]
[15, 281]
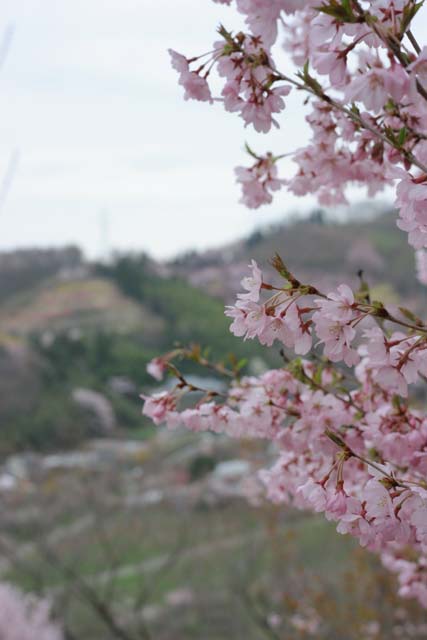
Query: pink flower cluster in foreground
[350, 438]
[249, 87]
[356, 452]
[23, 617]
[365, 89]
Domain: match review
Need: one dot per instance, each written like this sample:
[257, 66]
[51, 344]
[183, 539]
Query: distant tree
[317, 216]
[254, 239]
[24, 617]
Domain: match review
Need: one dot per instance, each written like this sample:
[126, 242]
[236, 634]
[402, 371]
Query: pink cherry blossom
[332, 62]
[377, 85]
[336, 505]
[419, 66]
[24, 617]
[301, 334]
[421, 266]
[250, 82]
[195, 85]
[337, 339]
[334, 325]
[379, 504]
[339, 305]
[158, 406]
[350, 442]
[156, 368]
[252, 284]
[258, 182]
[263, 17]
[412, 201]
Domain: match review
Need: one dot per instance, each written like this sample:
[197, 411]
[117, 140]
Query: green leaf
[335, 438]
[242, 363]
[251, 152]
[410, 315]
[401, 138]
[341, 11]
[409, 13]
[363, 294]
[309, 81]
[317, 378]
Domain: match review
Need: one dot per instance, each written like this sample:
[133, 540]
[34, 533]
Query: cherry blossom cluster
[250, 81]
[412, 203]
[411, 574]
[339, 154]
[365, 77]
[23, 617]
[348, 443]
[297, 314]
[358, 457]
[350, 437]
[259, 181]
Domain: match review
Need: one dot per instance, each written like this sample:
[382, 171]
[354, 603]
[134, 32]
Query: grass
[223, 554]
[208, 548]
[225, 571]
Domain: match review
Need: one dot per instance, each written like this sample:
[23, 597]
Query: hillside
[62, 304]
[74, 327]
[75, 343]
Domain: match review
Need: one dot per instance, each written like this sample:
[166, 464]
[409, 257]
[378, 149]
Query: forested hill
[317, 251]
[70, 331]
[67, 324]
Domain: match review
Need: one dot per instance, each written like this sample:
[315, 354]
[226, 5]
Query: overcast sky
[100, 142]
